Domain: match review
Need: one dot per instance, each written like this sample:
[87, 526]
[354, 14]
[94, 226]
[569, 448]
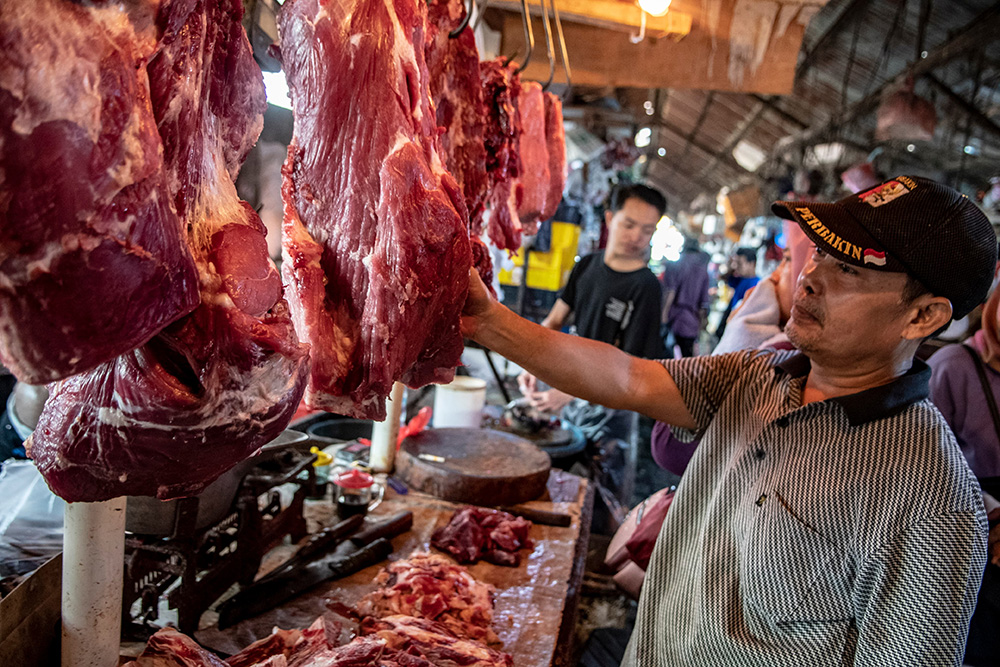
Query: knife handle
[394, 525]
[365, 556]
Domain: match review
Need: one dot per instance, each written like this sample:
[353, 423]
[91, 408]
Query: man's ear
[608, 214]
[930, 313]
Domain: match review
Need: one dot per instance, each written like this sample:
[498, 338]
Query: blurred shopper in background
[685, 298]
[742, 276]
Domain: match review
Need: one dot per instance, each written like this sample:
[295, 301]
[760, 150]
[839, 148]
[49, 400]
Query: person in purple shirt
[685, 296]
[965, 381]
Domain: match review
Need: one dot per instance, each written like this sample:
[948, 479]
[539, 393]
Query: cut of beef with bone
[432, 587]
[478, 532]
[434, 642]
[375, 236]
[555, 141]
[170, 648]
[93, 258]
[169, 417]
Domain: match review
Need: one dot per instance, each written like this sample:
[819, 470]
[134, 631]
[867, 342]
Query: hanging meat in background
[501, 88]
[169, 417]
[93, 257]
[555, 142]
[532, 186]
[457, 92]
[375, 234]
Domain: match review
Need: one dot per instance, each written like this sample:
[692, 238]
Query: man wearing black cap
[828, 516]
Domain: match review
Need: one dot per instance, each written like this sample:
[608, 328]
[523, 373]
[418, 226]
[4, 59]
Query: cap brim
[838, 233]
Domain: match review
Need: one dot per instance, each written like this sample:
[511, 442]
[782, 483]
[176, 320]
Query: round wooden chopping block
[479, 466]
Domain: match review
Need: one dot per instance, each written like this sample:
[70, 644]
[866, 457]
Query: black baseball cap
[911, 225]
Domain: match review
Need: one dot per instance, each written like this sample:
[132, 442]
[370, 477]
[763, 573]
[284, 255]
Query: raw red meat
[169, 417]
[93, 258]
[279, 643]
[170, 648]
[432, 587]
[375, 235]
[533, 183]
[477, 532]
[364, 652]
[457, 92]
[555, 141]
[434, 642]
[501, 88]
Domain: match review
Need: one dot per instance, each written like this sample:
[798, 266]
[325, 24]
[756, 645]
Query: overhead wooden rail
[610, 14]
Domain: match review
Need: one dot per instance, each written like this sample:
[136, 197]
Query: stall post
[93, 562]
[385, 434]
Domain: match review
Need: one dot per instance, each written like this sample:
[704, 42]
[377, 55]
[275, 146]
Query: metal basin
[340, 430]
[147, 515]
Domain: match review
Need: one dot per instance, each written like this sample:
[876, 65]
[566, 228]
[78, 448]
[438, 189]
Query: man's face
[846, 314]
[742, 267]
[631, 228]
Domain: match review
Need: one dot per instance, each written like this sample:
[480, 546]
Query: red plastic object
[354, 479]
[416, 425]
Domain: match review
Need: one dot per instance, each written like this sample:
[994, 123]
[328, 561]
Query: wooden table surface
[536, 603]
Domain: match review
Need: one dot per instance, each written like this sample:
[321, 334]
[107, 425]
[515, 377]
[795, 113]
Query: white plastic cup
[459, 404]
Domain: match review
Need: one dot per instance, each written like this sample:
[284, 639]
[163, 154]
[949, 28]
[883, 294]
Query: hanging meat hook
[549, 50]
[529, 36]
[465, 19]
[562, 49]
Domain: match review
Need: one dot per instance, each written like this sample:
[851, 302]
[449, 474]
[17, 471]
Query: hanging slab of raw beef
[501, 88]
[169, 417]
[533, 183]
[93, 257]
[457, 92]
[375, 234]
[555, 141]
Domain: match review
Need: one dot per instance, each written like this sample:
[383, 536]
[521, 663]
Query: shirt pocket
[789, 572]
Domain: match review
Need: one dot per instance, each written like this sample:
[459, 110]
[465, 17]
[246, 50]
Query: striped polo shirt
[843, 532]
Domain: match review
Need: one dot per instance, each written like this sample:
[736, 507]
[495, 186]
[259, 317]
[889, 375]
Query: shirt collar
[875, 403]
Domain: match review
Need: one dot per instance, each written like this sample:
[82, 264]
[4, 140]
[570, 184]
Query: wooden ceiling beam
[609, 14]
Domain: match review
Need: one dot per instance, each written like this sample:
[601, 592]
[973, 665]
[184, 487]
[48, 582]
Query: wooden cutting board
[479, 466]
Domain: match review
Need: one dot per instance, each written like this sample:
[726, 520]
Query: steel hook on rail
[529, 36]
[465, 20]
[549, 50]
[562, 49]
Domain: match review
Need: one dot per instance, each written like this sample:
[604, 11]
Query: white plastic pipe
[93, 562]
[385, 434]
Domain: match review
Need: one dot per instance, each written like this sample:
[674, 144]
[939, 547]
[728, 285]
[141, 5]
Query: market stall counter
[535, 602]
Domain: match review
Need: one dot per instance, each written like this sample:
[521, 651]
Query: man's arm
[935, 567]
[591, 370]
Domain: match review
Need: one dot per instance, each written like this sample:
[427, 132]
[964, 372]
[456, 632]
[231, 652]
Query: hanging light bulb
[654, 7]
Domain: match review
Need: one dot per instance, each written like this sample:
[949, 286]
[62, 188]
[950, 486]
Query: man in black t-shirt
[612, 295]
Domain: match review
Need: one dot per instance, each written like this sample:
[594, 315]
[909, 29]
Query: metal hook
[562, 48]
[549, 50]
[480, 11]
[465, 21]
[529, 36]
[635, 39]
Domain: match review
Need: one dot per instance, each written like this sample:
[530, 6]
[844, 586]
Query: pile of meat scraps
[427, 612]
[131, 274]
[475, 533]
[432, 587]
